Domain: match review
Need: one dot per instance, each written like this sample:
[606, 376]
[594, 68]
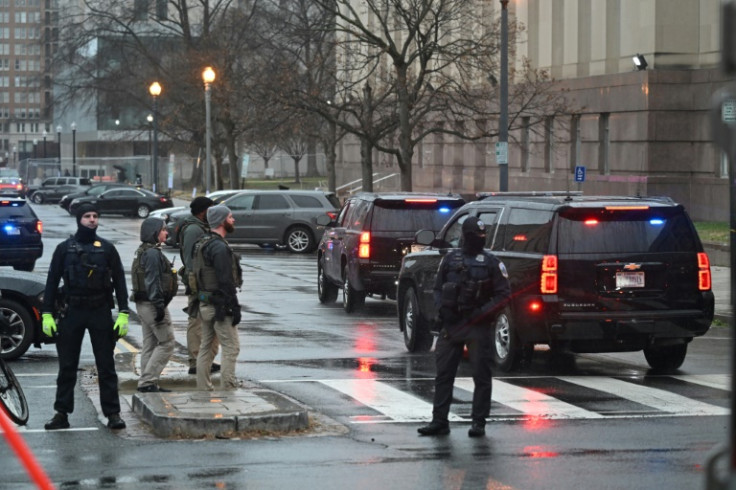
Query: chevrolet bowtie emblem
[632, 267]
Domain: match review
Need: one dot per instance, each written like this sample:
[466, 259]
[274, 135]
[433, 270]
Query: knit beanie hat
[216, 215]
[199, 204]
[84, 209]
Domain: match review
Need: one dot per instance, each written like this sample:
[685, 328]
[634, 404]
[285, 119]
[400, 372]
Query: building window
[162, 9]
[574, 142]
[724, 166]
[140, 9]
[525, 123]
[549, 144]
[603, 144]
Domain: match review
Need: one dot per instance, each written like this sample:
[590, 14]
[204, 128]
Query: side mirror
[424, 237]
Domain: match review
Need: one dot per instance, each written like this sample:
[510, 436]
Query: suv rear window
[15, 209]
[597, 230]
[402, 215]
[306, 201]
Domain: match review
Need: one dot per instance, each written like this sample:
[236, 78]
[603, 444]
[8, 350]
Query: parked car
[52, 182]
[54, 194]
[21, 301]
[588, 274]
[11, 184]
[127, 201]
[175, 216]
[285, 218]
[20, 234]
[94, 190]
[361, 250]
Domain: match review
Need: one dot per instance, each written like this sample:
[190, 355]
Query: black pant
[69, 346]
[448, 355]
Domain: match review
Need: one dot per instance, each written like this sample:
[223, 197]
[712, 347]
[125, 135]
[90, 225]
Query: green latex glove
[48, 324]
[121, 325]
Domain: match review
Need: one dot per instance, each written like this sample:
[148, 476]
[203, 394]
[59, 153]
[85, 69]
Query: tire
[37, 198]
[142, 211]
[666, 358]
[417, 336]
[351, 298]
[26, 266]
[505, 345]
[12, 396]
[326, 291]
[17, 325]
[299, 240]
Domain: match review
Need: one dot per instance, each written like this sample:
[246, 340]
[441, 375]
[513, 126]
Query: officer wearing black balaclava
[471, 287]
[92, 271]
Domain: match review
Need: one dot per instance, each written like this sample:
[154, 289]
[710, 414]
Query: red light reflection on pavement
[539, 452]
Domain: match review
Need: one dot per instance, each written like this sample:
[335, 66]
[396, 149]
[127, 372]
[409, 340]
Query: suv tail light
[332, 215]
[364, 246]
[704, 278]
[39, 226]
[549, 274]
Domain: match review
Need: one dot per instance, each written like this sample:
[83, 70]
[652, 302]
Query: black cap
[474, 225]
[199, 204]
[84, 209]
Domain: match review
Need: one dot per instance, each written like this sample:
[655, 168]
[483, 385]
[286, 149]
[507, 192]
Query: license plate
[629, 280]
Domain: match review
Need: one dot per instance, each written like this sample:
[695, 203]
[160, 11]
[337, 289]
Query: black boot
[58, 421]
[435, 428]
[115, 422]
[478, 429]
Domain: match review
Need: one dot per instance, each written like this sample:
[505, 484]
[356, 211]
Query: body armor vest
[169, 283]
[87, 276]
[468, 282]
[203, 277]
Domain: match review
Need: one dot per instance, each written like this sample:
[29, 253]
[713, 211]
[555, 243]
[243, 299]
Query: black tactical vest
[203, 277]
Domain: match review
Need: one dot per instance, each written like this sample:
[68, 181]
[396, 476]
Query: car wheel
[506, 351]
[142, 211]
[37, 198]
[25, 266]
[299, 240]
[351, 298]
[16, 329]
[417, 336]
[326, 291]
[666, 358]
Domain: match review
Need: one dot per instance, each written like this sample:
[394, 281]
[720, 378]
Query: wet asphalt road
[589, 421]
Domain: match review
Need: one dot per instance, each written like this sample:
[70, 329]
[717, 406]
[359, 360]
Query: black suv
[588, 274]
[361, 251]
[20, 234]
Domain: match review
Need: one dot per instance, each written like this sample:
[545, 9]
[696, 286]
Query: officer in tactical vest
[154, 285]
[92, 271]
[471, 287]
[191, 230]
[217, 274]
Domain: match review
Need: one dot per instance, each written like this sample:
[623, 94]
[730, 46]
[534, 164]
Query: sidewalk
[721, 277]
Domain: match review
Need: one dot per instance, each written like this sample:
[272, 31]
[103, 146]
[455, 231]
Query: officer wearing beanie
[92, 271]
[471, 287]
[193, 227]
[218, 274]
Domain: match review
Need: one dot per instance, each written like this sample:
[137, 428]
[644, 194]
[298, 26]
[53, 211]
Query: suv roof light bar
[529, 193]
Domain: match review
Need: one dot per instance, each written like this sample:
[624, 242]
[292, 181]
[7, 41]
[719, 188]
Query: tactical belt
[93, 301]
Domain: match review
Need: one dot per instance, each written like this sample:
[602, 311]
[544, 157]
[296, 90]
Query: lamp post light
[155, 91]
[149, 118]
[208, 75]
[503, 120]
[74, 149]
[58, 145]
[44, 142]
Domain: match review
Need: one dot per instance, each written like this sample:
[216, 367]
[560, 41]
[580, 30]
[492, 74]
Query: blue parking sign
[579, 173]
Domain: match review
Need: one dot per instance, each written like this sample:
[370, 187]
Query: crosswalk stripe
[384, 398]
[717, 381]
[652, 397]
[531, 402]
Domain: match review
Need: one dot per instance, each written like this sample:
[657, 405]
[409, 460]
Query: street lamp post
[155, 91]
[58, 145]
[208, 75]
[149, 118]
[503, 121]
[74, 149]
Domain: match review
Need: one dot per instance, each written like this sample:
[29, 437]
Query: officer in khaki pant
[217, 274]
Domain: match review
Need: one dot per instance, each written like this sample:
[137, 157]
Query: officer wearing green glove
[92, 271]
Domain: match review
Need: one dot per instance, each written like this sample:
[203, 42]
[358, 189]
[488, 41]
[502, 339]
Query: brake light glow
[549, 274]
[364, 246]
[519, 238]
[626, 208]
[704, 278]
[535, 306]
[19, 187]
[39, 226]
[591, 222]
[420, 200]
[333, 216]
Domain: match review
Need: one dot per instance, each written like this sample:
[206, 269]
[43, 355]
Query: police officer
[471, 286]
[218, 274]
[193, 227]
[91, 269]
[154, 285]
